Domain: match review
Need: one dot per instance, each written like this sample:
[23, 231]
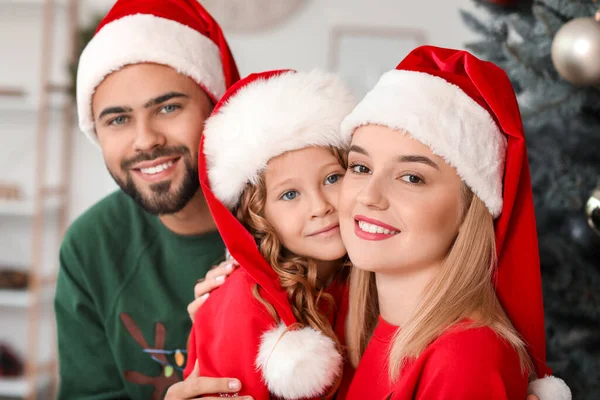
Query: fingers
[223, 269]
[193, 307]
[195, 372]
[214, 278]
[195, 387]
[208, 286]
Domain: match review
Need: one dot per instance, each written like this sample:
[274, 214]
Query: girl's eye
[169, 108]
[120, 120]
[412, 179]
[331, 179]
[359, 169]
[290, 195]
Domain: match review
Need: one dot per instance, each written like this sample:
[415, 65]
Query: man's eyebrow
[115, 110]
[162, 98]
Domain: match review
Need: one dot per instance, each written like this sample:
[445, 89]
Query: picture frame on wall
[361, 54]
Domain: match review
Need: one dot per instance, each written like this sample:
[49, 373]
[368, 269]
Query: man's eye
[120, 120]
[169, 108]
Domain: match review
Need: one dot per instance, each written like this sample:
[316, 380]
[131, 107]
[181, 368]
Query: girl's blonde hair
[463, 288]
[297, 274]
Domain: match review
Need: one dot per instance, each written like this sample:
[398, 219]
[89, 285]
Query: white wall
[300, 42]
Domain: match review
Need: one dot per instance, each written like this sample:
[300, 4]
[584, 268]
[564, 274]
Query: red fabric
[238, 240]
[518, 279]
[226, 333]
[186, 12]
[460, 364]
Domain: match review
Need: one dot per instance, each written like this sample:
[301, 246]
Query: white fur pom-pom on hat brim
[297, 364]
[550, 388]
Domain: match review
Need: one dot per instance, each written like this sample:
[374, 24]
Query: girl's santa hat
[261, 117]
[465, 110]
[177, 33]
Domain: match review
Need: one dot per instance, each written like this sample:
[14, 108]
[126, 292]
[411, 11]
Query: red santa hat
[464, 109]
[261, 117]
[178, 33]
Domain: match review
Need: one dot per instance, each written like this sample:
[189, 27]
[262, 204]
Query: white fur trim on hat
[550, 388]
[444, 118]
[269, 117]
[298, 364]
[141, 38]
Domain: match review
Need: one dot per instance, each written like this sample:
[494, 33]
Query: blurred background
[50, 173]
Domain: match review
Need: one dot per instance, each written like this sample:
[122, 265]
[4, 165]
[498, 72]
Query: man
[146, 82]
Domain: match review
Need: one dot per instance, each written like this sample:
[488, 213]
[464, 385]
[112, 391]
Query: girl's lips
[327, 231]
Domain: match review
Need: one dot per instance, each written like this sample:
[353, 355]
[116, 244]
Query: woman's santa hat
[177, 33]
[464, 109]
[261, 117]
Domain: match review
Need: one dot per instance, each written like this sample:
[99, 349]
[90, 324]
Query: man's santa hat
[464, 109]
[261, 117]
[177, 33]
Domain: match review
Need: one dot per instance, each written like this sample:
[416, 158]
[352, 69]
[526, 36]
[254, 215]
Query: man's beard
[162, 201]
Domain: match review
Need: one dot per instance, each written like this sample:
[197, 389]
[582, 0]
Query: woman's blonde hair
[297, 274]
[463, 288]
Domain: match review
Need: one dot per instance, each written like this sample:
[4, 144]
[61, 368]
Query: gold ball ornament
[576, 51]
[592, 210]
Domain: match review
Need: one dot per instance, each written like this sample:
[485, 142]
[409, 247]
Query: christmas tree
[562, 127]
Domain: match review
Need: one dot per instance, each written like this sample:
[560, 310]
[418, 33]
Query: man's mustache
[153, 155]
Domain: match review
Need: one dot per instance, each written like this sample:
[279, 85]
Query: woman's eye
[331, 179]
[359, 169]
[291, 195]
[412, 179]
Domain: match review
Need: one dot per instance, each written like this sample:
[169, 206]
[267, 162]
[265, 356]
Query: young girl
[437, 216]
[271, 164]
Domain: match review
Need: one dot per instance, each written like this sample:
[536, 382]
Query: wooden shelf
[26, 208]
[20, 98]
[19, 387]
[25, 106]
[14, 298]
[25, 100]
[22, 298]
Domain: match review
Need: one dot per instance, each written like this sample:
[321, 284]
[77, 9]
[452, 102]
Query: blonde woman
[437, 217]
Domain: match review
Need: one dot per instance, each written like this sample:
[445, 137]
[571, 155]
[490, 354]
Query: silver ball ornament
[576, 51]
[592, 210]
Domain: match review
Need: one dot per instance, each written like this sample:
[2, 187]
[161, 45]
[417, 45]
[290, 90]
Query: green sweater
[124, 284]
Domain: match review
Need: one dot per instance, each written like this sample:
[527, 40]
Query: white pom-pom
[550, 388]
[298, 364]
